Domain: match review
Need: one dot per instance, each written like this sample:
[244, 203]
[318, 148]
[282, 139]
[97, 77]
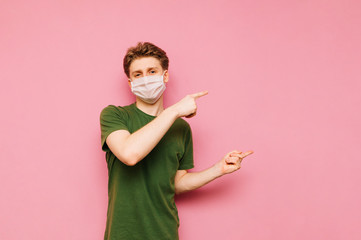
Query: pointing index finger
[242, 154]
[199, 94]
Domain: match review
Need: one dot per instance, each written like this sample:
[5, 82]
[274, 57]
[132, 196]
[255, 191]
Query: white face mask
[148, 88]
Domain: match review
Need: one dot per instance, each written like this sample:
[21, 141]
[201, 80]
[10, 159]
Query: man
[148, 151]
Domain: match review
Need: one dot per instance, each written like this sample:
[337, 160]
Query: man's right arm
[132, 148]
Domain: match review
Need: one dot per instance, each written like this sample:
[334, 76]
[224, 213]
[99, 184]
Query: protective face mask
[148, 88]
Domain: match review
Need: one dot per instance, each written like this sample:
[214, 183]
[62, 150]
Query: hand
[231, 162]
[187, 106]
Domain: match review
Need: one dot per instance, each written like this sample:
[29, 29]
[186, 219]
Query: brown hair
[144, 49]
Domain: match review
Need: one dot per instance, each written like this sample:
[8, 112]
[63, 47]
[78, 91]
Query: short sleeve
[112, 118]
[186, 162]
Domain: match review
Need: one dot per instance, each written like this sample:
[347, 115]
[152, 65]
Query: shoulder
[114, 110]
[183, 124]
[110, 108]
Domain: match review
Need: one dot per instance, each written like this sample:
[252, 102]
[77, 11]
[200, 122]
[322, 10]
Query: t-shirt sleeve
[186, 162]
[112, 118]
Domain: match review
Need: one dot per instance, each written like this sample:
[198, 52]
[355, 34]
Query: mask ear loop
[131, 83]
[163, 75]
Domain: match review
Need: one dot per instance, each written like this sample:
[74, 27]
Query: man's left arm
[185, 181]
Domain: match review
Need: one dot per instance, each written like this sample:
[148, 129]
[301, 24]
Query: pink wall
[283, 80]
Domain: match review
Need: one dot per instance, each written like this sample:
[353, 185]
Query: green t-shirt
[141, 197]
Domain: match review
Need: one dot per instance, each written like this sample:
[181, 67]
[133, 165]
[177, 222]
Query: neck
[151, 109]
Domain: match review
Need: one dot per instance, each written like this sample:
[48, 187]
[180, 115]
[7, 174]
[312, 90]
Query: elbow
[129, 159]
[177, 192]
[178, 189]
[129, 163]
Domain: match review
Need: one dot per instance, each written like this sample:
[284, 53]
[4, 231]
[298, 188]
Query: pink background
[283, 80]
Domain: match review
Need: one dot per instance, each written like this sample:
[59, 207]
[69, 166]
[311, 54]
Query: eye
[152, 71]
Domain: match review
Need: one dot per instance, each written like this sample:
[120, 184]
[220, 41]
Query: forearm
[194, 180]
[140, 143]
[132, 148]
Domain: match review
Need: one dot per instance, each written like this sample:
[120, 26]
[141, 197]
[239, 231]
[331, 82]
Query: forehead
[144, 63]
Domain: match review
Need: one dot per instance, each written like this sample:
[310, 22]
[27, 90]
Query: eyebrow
[139, 71]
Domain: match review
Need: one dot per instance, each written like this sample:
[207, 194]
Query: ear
[166, 76]
[130, 85]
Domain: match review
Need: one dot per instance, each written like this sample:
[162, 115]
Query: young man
[148, 151]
